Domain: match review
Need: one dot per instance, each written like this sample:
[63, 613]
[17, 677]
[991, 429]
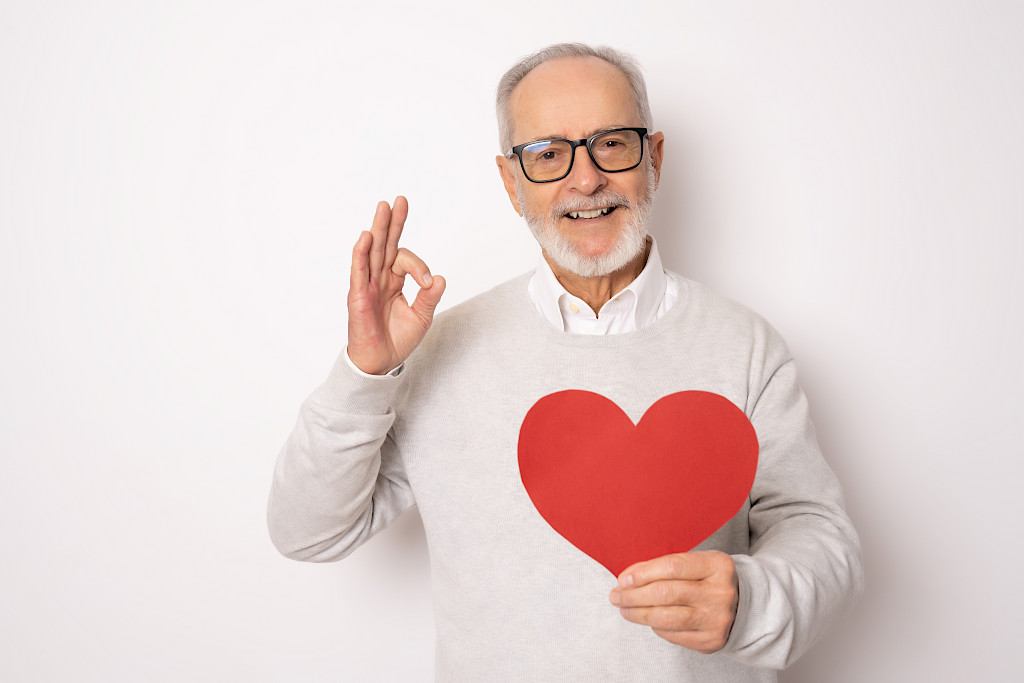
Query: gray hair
[620, 60]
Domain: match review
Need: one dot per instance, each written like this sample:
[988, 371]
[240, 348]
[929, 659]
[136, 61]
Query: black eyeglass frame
[585, 142]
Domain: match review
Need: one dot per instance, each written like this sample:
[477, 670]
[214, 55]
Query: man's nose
[585, 176]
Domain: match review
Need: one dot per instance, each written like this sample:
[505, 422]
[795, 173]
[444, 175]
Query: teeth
[592, 213]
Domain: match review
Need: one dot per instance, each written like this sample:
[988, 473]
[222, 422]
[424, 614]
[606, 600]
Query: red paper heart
[623, 493]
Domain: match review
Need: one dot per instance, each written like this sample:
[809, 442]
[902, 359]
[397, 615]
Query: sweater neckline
[540, 328]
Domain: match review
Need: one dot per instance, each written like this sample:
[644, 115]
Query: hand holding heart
[688, 598]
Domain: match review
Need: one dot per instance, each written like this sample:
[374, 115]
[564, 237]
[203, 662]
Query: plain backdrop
[180, 187]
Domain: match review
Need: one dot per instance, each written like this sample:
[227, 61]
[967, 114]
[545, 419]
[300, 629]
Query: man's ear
[656, 144]
[508, 177]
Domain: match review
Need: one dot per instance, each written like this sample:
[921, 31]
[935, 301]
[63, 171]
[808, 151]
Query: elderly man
[509, 421]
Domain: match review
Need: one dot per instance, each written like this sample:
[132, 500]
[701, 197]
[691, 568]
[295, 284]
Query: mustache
[594, 201]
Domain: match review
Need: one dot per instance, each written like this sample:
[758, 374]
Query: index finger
[408, 263]
[681, 566]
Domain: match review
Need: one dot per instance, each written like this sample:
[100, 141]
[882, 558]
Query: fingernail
[427, 280]
[626, 580]
[615, 598]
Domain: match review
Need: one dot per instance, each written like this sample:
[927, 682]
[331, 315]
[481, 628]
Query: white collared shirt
[643, 301]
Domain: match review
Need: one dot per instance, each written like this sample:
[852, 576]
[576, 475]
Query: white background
[180, 186]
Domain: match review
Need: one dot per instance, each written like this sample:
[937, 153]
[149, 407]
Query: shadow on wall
[684, 216]
[403, 547]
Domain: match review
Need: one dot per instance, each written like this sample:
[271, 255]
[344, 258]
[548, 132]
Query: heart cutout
[624, 493]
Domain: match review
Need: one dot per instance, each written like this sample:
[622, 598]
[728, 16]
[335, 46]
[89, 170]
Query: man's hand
[688, 599]
[383, 329]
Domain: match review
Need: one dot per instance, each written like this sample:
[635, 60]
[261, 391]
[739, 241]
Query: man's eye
[549, 155]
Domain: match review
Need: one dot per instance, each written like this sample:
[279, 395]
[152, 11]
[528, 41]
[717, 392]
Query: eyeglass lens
[613, 151]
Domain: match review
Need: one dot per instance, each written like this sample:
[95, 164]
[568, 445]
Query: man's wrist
[394, 372]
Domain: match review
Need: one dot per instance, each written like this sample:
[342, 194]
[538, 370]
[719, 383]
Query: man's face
[574, 98]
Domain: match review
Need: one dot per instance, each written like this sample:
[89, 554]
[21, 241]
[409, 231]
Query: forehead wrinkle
[570, 91]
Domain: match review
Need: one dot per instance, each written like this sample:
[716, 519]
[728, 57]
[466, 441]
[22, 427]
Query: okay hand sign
[383, 328]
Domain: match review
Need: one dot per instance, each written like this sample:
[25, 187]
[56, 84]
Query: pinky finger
[698, 641]
[359, 276]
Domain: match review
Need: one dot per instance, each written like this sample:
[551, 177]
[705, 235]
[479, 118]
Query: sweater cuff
[745, 620]
[350, 390]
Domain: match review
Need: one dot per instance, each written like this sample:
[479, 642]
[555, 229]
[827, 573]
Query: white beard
[631, 241]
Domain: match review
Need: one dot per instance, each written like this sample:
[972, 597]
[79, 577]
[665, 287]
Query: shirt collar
[647, 293]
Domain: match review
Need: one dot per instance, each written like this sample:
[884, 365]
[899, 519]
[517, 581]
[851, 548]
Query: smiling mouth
[590, 213]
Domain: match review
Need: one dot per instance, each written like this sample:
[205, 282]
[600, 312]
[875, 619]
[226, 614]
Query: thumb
[428, 298]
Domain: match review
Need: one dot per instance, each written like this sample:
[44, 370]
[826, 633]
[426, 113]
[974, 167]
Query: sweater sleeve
[804, 564]
[339, 478]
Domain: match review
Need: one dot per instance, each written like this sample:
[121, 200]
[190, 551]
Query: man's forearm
[337, 479]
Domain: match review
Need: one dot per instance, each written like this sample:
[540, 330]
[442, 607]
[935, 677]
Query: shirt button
[573, 307]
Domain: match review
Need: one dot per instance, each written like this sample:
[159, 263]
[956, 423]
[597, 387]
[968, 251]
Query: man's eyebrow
[563, 136]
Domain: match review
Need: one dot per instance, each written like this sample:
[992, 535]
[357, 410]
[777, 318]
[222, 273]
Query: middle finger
[379, 236]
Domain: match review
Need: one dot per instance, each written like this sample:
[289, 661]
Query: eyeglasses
[612, 151]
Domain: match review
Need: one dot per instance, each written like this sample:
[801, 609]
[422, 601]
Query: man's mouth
[590, 213]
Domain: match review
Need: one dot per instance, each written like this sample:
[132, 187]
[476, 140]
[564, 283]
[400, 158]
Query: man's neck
[598, 290]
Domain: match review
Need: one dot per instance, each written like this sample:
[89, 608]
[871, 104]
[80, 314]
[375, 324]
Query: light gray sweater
[514, 600]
